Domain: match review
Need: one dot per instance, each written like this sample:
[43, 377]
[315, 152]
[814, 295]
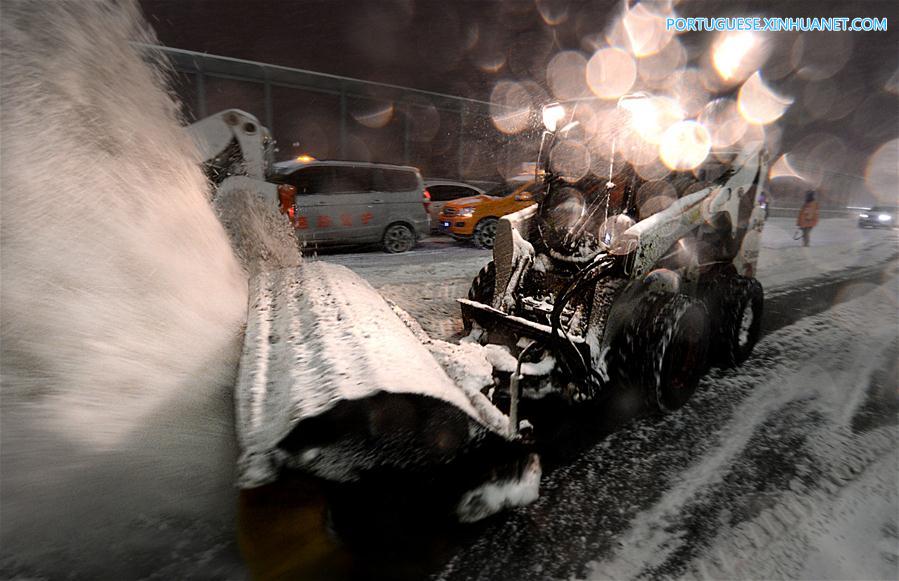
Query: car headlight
[884, 217]
[465, 212]
[862, 215]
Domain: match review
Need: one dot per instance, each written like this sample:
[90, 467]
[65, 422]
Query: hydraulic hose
[579, 279]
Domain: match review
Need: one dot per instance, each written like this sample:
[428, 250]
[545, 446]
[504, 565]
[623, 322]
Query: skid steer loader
[331, 381]
[619, 284]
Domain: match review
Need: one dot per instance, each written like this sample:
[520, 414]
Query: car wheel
[398, 238]
[485, 233]
[663, 352]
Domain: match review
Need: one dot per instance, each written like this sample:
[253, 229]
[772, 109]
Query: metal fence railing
[333, 117]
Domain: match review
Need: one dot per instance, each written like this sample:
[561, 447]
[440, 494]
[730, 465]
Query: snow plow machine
[621, 284]
[333, 381]
[589, 290]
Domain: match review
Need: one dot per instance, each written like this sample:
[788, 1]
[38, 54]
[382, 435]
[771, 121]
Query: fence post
[343, 151]
[269, 111]
[201, 96]
[461, 153]
[406, 123]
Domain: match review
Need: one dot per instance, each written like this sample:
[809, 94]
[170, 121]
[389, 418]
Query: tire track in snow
[821, 382]
[628, 490]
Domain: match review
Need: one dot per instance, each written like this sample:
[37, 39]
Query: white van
[344, 203]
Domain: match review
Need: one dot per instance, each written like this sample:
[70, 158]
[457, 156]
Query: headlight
[884, 217]
[611, 230]
[862, 215]
[465, 212]
[552, 114]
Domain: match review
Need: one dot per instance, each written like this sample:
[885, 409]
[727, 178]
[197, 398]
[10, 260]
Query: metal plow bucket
[333, 383]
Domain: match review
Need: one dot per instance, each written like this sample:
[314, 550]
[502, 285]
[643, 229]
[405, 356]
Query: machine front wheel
[741, 321]
[663, 352]
[482, 289]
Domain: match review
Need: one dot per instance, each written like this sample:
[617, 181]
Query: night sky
[465, 47]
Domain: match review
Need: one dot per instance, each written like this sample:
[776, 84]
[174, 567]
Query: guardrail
[777, 212]
[335, 117]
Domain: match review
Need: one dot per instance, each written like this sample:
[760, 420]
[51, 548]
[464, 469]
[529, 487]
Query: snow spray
[122, 310]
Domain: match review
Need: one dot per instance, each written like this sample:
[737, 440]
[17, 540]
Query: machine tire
[484, 285]
[482, 289]
[485, 233]
[741, 321]
[664, 350]
[398, 238]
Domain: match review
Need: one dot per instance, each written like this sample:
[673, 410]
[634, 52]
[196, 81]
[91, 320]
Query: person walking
[808, 217]
[764, 202]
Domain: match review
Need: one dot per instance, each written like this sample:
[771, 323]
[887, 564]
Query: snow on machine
[331, 380]
[622, 284]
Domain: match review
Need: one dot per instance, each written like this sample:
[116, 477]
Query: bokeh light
[646, 31]
[725, 124]
[553, 12]
[736, 54]
[818, 156]
[423, 119]
[818, 98]
[882, 173]
[821, 55]
[373, 114]
[759, 104]
[685, 145]
[782, 168]
[565, 75]
[570, 159]
[510, 107]
[652, 116]
[654, 196]
[652, 171]
[611, 73]
[685, 86]
[490, 60]
[657, 67]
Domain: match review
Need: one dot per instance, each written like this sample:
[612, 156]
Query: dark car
[879, 217]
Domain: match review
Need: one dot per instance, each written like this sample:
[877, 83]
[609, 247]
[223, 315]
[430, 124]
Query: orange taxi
[475, 218]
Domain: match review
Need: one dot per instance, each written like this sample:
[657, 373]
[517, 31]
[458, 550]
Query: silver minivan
[345, 203]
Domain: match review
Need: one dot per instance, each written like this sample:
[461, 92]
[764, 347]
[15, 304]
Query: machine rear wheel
[741, 321]
[664, 351]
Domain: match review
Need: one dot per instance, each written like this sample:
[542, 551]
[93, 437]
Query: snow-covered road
[427, 281]
[783, 468]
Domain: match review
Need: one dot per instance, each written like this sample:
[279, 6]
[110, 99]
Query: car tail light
[426, 201]
[286, 197]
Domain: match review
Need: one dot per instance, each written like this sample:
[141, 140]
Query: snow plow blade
[333, 383]
[505, 329]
